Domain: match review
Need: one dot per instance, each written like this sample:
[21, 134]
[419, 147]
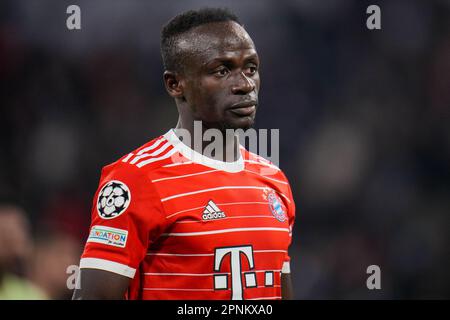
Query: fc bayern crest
[276, 207]
[113, 199]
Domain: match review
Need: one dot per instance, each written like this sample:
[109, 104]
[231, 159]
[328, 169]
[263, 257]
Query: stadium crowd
[363, 118]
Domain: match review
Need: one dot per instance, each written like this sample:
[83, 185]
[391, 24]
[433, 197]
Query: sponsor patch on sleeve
[109, 236]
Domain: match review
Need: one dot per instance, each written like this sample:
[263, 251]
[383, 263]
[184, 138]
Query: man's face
[221, 79]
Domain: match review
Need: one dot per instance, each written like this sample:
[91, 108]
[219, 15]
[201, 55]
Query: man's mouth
[245, 108]
[244, 111]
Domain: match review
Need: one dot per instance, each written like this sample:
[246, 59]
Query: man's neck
[228, 151]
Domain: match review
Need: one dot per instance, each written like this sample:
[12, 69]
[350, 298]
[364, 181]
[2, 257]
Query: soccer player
[169, 222]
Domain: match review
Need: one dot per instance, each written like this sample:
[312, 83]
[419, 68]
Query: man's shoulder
[263, 165]
[144, 159]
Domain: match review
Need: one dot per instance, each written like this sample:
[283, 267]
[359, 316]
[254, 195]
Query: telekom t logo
[221, 280]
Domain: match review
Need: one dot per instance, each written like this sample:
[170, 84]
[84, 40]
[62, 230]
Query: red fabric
[170, 263]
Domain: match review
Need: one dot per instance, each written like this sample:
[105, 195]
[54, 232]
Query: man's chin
[244, 123]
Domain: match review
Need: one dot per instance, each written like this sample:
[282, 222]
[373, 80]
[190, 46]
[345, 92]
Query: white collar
[194, 156]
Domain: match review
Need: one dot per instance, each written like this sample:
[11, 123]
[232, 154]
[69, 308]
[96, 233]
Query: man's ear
[174, 84]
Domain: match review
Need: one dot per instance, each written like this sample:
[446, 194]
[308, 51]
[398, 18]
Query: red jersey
[185, 226]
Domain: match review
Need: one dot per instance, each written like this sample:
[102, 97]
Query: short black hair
[184, 22]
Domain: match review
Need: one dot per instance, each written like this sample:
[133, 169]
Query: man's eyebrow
[250, 57]
[253, 56]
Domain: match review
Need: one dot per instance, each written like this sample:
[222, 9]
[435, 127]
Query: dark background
[363, 118]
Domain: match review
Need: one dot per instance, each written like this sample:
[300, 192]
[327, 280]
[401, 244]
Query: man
[169, 222]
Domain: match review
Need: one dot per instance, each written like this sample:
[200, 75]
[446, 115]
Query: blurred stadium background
[363, 118]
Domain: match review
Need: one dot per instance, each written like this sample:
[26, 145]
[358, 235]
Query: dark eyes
[223, 71]
[252, 69]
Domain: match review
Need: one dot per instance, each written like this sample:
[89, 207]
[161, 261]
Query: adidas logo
[212, 212]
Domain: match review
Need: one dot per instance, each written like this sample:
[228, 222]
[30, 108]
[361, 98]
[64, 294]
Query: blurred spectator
[16, 246]
[54, 253]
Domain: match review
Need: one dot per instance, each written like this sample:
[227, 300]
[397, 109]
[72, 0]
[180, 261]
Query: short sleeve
[126, 217]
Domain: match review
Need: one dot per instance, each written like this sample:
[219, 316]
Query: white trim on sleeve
[111, 266]
[286, 267]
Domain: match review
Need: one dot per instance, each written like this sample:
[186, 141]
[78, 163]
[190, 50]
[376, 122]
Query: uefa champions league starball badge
[113, 199]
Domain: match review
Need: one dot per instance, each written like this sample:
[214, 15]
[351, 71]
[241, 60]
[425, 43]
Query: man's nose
[243, 84]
